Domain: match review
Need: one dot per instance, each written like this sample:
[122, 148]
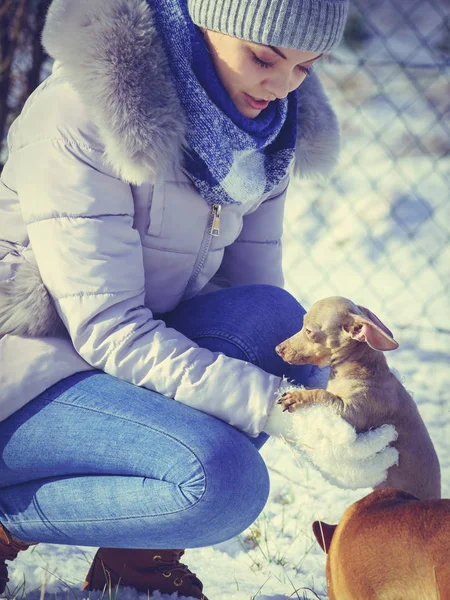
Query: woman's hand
[343, 457]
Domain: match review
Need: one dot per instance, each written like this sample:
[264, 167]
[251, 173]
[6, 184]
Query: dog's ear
[367, 327]
[324, 534]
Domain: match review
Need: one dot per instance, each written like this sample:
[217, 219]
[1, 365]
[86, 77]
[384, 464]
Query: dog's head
[331, 324]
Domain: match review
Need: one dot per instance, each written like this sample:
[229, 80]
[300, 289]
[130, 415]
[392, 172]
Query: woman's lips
[257, 104]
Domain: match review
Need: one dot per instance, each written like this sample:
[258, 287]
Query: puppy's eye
[308, 331]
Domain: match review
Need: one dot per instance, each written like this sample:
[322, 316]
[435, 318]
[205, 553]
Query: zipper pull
[215, 227]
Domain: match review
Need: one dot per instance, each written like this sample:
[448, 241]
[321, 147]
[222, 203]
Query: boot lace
[170, 565]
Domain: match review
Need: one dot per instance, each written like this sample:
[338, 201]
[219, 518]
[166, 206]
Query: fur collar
[115, 60]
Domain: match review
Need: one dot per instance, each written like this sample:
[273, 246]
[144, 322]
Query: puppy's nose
[279, 349]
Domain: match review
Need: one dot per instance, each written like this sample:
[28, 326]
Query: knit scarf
[230, 158]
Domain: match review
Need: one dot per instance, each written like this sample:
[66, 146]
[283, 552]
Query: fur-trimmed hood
[114, 58]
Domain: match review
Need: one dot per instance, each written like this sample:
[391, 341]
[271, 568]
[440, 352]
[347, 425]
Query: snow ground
[380, 235]
[278, 554]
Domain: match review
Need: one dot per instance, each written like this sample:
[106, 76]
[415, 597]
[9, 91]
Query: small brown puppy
[388, 546]
[361, 388]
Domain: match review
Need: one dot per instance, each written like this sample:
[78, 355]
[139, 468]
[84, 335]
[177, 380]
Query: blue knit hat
[310, 25]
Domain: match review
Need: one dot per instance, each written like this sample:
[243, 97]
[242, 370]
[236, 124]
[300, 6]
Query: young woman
[145, 185]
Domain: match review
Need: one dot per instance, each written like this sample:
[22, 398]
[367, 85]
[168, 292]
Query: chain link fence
[379, 231]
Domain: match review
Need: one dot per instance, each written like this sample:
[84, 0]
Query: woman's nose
[280, 87]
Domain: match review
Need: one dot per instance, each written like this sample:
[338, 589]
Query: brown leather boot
[144, 570]
[9, 549]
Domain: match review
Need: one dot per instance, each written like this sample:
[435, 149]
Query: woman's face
[254, 74]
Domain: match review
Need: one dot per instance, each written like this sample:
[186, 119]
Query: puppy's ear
[367, 327]
[324, 534]
[373, 317]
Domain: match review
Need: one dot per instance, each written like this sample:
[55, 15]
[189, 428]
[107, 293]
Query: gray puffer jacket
[100, 228]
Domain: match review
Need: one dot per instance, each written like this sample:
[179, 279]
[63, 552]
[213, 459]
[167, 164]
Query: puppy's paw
[290, 401]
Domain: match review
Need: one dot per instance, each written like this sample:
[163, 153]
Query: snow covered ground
[379, 234]
[277, 557]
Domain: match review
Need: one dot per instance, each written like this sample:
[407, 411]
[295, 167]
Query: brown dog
[388, 546]
[361, 388]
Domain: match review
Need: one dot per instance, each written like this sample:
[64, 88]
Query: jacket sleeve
[256, 255]
[79, 220]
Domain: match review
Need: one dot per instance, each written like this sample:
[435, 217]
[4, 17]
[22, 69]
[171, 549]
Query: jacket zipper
[215, 227]
[212, 230]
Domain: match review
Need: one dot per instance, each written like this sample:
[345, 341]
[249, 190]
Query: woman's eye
[305, 70]
[261, 63]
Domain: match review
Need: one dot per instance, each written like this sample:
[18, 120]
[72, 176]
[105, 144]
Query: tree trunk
[21, 56]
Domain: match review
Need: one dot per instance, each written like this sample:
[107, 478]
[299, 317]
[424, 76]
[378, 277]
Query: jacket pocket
[157, 203]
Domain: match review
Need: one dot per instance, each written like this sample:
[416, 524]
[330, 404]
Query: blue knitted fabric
[230, 158]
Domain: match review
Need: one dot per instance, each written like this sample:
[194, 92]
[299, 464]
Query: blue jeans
[96, 461]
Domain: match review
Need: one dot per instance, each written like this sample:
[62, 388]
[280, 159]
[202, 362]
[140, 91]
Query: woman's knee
[275, 316]
[278, 304]
[237, 486]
